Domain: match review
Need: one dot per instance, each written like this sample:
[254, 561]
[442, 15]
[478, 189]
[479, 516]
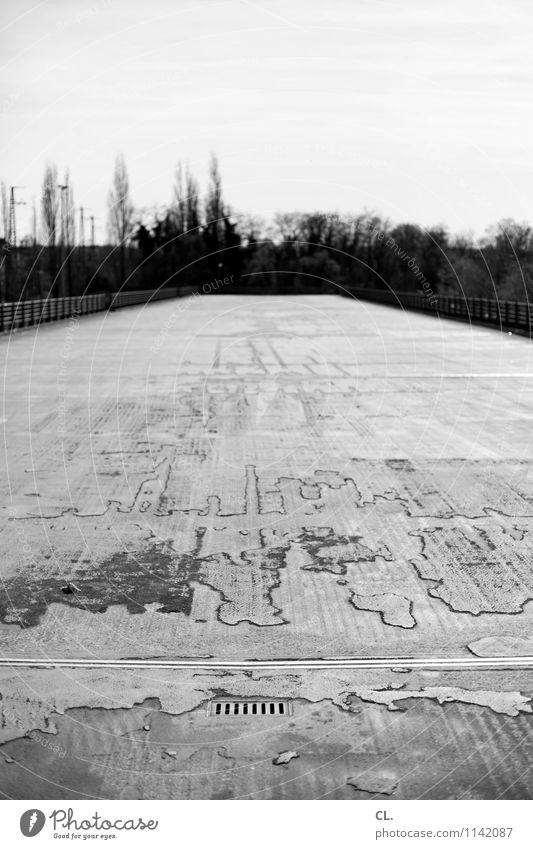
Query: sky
[417, 110]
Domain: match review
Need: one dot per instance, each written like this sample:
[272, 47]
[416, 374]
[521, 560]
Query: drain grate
[249, 707]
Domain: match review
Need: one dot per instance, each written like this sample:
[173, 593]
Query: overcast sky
[418, 110]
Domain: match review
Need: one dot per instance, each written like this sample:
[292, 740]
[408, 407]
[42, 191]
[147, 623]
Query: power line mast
[81, 241]
[63, 187]
[11, 254]
[81, 233]
[12, 231]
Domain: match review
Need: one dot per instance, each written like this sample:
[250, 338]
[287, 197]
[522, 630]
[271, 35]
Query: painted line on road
[305, 664]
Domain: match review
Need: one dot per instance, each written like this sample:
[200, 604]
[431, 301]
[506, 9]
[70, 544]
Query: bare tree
[215, 213]
[50, 205]
[214, 205]
[180, 201]
[34, 223]
[192, 201]
[49, 218]
[120, 212]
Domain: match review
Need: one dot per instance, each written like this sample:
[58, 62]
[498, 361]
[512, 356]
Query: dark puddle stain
[332, 552]
[154, 575]
[135, 580]
[159, 575]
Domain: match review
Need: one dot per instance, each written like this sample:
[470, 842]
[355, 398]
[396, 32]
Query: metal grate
[249, 707]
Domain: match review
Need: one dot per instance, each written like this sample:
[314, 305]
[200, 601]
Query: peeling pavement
[271, 478]
[356, 735]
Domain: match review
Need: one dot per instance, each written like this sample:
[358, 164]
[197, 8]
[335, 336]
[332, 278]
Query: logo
[32, 822]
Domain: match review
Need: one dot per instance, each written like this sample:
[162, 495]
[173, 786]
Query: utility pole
[81, 241]
[81, 234]
[92, 231]
[36, 271]
[11, 256]
[12, 232]
[63, 253]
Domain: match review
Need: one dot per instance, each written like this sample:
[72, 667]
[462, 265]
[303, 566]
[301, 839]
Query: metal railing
[508, 314]
[15, 315]
[518, 315]
[128, 299]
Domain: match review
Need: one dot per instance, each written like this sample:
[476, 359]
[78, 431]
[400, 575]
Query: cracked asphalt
[266, 478]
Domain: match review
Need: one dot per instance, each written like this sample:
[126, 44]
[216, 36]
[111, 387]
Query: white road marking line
[332, 663]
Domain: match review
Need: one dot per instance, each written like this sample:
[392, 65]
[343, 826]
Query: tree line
[196, 240]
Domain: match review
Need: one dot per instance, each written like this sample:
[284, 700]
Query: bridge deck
[260, 478]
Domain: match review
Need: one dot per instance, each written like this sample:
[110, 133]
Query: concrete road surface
[243, 480]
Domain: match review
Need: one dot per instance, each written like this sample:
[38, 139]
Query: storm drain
[249, 707]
